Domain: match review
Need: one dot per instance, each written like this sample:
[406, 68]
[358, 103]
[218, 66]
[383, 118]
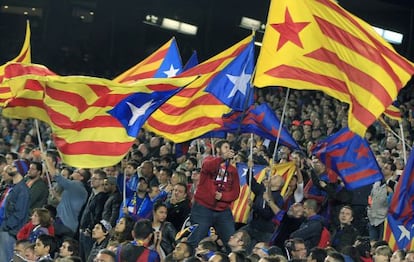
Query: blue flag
[192, 62]
[349, 156]
[134, 110]
[260, 120]
[232, 86]
[171, 65]
[400, 214]
[243, 171]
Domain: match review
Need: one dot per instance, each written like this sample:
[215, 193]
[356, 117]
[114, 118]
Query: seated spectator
[296, 249]
[123, 230]
[317, 255]
[100, 235]
[182, 251]
[69, 247]
[240, 240]
[398, 255]
[105, 255]
[261, 249]
[40, 223]
[45, 248]
[205, 249]
[334, 257]
[382, 254]
[345, 234]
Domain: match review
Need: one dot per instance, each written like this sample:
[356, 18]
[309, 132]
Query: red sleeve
[24, 232]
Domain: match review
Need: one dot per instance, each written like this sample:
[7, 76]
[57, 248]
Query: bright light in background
[390, 36]
[171, 24]
[250, 23]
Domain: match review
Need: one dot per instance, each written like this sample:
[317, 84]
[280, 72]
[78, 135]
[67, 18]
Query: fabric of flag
[399, 226]
[193, 111]
[23, 57]
[192, 62]
[260, 120]
[135, 109]
[349, 157]
[317, 45]
[76, 108]
[232, 85]
[393, 111]
[164, 62]
[286, 170]
[241, 207]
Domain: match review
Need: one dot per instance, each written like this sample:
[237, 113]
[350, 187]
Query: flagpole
[39, 139]
[250, 169]
[386, 126]
[280, 125]
[403, 142]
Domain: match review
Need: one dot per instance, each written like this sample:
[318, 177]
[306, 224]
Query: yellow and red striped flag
[23, 57]
[164, 62]
[317, 45]
[76, 108]
[194, 111]
[393, 112]
[241, 208]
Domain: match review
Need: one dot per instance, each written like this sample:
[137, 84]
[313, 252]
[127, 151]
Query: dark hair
[319, 254]
[126, 235]
[183, 185]
[143, 229]
[167, 170]
[49, 241]
[193, 160]
[209, 245]
[133, 163]
[221, 142]
[158, 204]
[73, 246]
[38, 165]
[188, 248]
[52, 210]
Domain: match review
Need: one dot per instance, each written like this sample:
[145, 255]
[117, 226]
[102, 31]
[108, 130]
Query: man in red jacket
[218, 187]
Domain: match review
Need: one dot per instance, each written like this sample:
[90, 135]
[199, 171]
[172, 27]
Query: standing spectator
[147, 170]
[310, 230]
[130, 176]
[14, 207]
[39, 191]
[167, 230]
[111, 208]
[92, 212]
[345, 234]
[219, 186]
[137, 250]
[178, 206]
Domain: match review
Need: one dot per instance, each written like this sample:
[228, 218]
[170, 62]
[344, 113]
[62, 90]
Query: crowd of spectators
[146, 205]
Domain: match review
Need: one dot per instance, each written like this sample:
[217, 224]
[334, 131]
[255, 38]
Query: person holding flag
[219, 186]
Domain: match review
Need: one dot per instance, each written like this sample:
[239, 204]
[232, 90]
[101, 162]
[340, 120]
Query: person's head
[81, 174]
[398, 255]
[147, 169]
[346, 215]
[97, 179]
[181, 251]
[180, 191]
[143, 230]
[178, 177]
[35, 170]
[334, 257]
[41, 216]
[261, 249]
[191, 163]
[222, 147]
[101, 230]
[382, 254]
[143, 185]
[296, 210]
[19, 246]
[69, 247]
[105, 255]
[109, 184]
[29, 252]
[160, 212]
[316, 255]
[275, 258]
[45, 245]
[205, 249]
[310, 207]
[164, 175]
[240, 240]
[131, 168]
[276, 182]
[298, 248]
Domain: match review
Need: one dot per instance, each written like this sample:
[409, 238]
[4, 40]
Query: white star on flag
[171, 72]
[245, 171]
[240, 83]
[138, 111]
[404, 233]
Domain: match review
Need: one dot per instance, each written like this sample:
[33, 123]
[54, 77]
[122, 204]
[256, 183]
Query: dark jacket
[168, 237]
[345, 236]
[310, 231]
[16, 209]
[111, 208]
[178, 213]
[92, 212]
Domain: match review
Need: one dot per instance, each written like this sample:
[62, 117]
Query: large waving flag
[193, 111]
[76, 108]
[317, 45]
[23, 57]
[260, 120]
[241, 207]
[232, 85]
[349, 157]
[399, 226]
[165, 62]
